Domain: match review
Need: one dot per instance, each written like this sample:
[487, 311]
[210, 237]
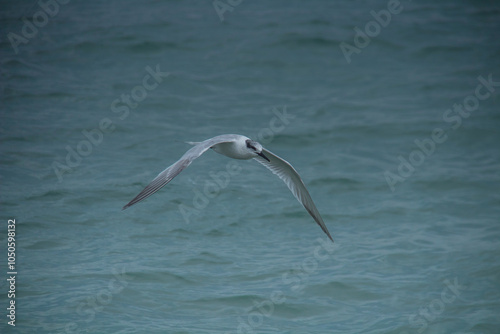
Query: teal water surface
[388, 110]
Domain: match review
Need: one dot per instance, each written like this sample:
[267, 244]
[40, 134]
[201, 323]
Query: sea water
[388, 110]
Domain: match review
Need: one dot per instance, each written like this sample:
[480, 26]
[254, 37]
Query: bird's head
[255, 148]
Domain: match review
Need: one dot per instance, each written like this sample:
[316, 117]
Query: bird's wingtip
[329, 236]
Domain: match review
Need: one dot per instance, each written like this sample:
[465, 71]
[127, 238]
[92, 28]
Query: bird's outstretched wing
[168, 174]
[289, 175]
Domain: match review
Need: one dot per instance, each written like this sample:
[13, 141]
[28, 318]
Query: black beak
[262, 155]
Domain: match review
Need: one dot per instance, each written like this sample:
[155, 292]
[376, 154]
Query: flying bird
[244, 148]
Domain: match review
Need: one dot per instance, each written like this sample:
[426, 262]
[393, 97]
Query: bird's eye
[249, 145]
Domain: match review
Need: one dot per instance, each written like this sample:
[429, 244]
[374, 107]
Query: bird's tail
[193, 142]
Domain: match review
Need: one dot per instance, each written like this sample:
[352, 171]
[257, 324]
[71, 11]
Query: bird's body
[234, 149]
[243, 148]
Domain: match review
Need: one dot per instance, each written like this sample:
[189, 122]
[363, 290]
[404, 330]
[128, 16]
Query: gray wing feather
[289, 175]
[172, 171]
